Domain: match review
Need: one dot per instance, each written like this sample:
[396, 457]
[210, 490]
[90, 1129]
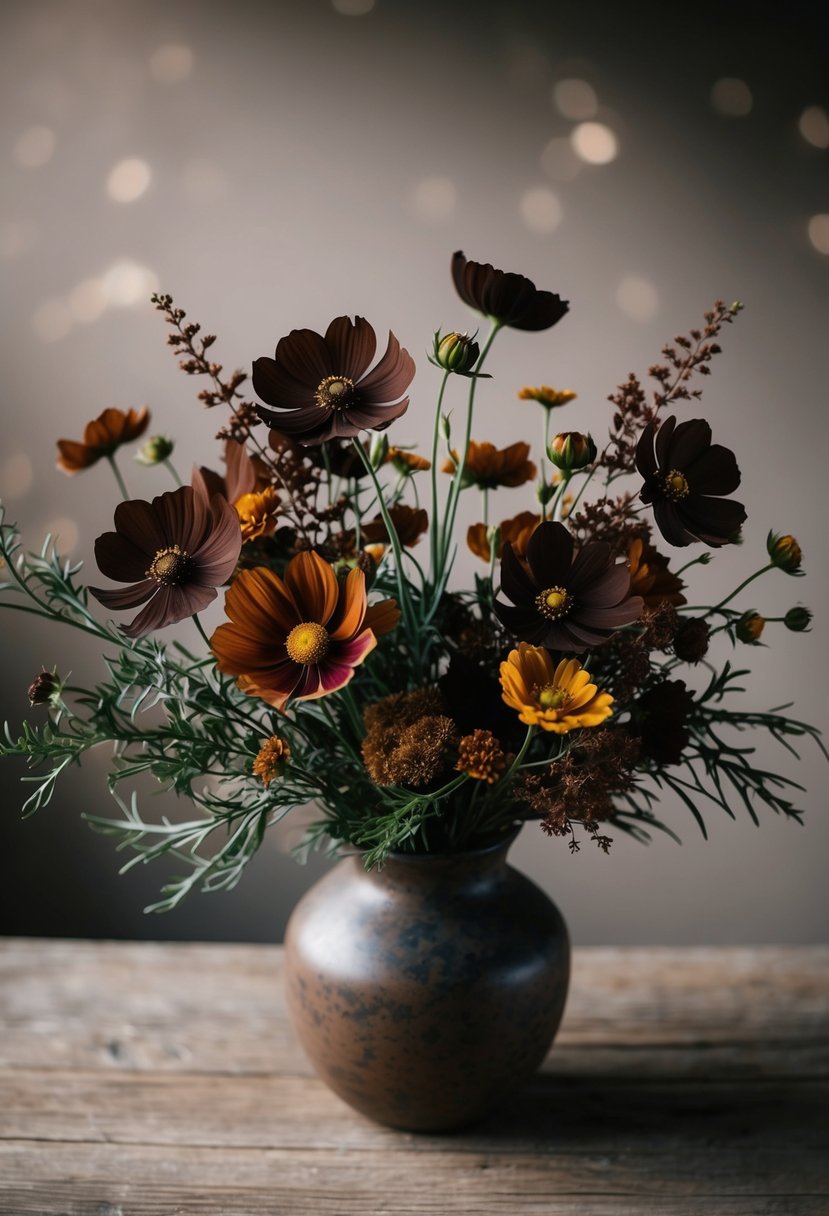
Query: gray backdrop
[273, 166]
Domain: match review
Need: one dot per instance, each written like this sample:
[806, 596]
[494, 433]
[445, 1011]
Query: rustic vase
[428, 991]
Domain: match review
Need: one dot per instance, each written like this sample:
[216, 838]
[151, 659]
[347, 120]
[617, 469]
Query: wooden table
[143, 1078]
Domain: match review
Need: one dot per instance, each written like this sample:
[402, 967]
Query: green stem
[743, 584]
[200, 628]
[119, 479]
[434, 521]
[173, 472]
[517, 761]
[394, 539]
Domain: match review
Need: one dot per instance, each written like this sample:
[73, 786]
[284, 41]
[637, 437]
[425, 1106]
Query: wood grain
[138, 1078]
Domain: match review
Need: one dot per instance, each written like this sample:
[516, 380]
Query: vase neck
[440, 869]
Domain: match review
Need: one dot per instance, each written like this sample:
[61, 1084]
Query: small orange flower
[558, 698]
[407, 462]
[516, 531]
[550, 398]
[651, 578]
[409, 522]
[102, 437]
[272, 759]
[300, 637]
[258, 513]
[487, 466]
[481, 757]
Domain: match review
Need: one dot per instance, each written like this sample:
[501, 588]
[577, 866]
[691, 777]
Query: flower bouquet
[420, 719]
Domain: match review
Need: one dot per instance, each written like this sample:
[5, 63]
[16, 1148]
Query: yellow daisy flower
[558, 698]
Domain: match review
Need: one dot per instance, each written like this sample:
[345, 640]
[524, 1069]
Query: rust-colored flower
[409, 523]
[320, 388]
[562, 601]
[101, 437]
[685, 477]
[407, 462]
[507, 298]
[481, 757]
[272, 759]
[300, 637]
[487, 466]
[258, 513]
[558, 697]
[516, 532]
[550, 398]
[244, 474]
[408, 739]
[174, 551]
[650, 576]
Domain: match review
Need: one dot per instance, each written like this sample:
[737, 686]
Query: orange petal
[382, 618]
[351, 608]
[313, 584]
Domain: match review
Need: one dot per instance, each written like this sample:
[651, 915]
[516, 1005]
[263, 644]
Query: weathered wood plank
[111, 1180]
[215, 1008]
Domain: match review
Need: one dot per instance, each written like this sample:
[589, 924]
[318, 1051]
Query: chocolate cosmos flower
[561, 602]
[101, 437]
[508, 298]
[174, 551]
[685, 474]
[319, 388]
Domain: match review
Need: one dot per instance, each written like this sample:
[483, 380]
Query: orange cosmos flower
[407, 462]
[300, 637]
[487, 466]
[258, 513]
[516, 531]
[550, 398]
[650, 576]
[102, 437]
[409, 523]
[557, 698]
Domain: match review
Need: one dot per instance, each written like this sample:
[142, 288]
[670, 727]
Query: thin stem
[434, 521]
[200, 628]
[173, 472]
[517, 761]
[119, 479]
[743, 584]
[394, 539]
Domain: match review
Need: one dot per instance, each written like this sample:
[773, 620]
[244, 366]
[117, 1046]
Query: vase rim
[486, 850]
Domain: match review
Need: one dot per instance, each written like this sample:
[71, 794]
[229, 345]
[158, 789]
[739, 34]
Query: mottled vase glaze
[428, 991]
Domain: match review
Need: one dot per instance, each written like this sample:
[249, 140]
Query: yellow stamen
[168, 566]
[554, 603]
[307, 643]
[334, 392]
[676, 484]
[550, 697]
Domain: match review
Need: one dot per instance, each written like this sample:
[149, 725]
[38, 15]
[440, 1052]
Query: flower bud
[46, 689]
[798, 619]
[456, 352]
[445, 428]
[571, 450]
[544, 492]
[750, 627]
[493, 539]
[379, 449]
[784, 552]
[156, 450]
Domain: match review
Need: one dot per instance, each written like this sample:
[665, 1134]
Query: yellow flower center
[675, 485]
[169, 566]
[307, 643]
[550, 697]
[335, 393]
[554, 603]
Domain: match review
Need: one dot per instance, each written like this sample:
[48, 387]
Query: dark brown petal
[663, 443]
[216, 559]
[711, 520]
[304, 356]
[351, 345]
[118, 558]
[206, 483]
[459, 265]
[138, 522]
[690, 440]
[125, 597]
[609, 618]
[714, 472]
[669, 523]
[390, 378]
[570, 637]
[550, 553]
[240, 474]
[525, 623]
[516, 584]
[184, 516]
[150, 618]
[277, 387]
[186, 600]
[608, 590]
[543, 312]
[310, 684]
[76, 456]
[590, 566]
[645, 458]
[375, 417]
[299, 425]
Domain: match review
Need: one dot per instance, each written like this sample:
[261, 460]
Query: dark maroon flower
[691, 640]
[564, 602]
[685, 475]
[661, 720]
[508, 298]
[174, 551]
[318, 386]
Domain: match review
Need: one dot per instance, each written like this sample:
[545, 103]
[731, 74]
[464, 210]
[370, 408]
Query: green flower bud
[798, 619]
[156, 450]
[445, 428]
[379, 449]
[784, 552]
[570, 450]
[493, 539]
[456, 352]
[46, 689]
[545, 492]
[750, 627]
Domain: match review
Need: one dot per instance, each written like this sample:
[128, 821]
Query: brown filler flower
[175, 551]
[102, 437]
[318, 386]
[508, 298]
[481, 757]
[564, 602]
[272, 759]
[488, 467]
[685, 476]
[408, 739]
